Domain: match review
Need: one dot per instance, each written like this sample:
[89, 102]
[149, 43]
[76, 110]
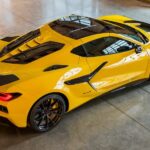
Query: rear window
[35, 53]
[78, 27]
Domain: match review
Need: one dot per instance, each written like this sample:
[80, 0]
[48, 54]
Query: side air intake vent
[5, 79]
[29, 36]
[35, 53]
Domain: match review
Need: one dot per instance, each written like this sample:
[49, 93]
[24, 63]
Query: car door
[114, 62]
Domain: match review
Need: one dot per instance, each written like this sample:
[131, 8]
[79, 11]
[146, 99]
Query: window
[108, 45]
[79, 51]
[35, 53]
[77, 27]
[135, 37]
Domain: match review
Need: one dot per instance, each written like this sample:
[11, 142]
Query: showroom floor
[119, 121]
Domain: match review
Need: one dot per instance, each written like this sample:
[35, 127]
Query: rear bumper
[16, 110]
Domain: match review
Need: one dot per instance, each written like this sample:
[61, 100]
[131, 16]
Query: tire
[47, 113]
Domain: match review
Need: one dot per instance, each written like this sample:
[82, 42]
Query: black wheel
[47, 112]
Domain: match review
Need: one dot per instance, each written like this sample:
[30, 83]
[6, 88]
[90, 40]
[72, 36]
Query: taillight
[5, 96]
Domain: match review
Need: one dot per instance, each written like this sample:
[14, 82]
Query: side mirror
[138, 49]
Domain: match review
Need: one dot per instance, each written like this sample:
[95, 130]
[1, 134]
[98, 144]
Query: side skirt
[131, 84]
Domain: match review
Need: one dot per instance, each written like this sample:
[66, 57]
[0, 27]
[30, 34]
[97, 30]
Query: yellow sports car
[67, 62]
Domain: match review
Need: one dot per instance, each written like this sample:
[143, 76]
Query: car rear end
[11, 100]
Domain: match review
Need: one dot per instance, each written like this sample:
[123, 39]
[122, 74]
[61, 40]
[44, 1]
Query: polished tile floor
[120, 121]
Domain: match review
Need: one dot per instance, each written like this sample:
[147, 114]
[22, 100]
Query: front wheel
[47, 113]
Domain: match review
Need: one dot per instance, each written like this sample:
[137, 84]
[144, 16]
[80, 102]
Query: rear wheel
[47, 113]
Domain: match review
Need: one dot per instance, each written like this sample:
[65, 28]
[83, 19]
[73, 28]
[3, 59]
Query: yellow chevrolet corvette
[67, 62]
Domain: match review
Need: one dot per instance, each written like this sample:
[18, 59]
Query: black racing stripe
[5, 79]
[86, 78]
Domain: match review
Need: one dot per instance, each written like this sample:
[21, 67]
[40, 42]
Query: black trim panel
[135, 21]
[3, 109]
[86, 78]
[55, 67]
[128, 85]
[5, 79]
[9, 39]
[15, 95]
[143, 25]
[145, 40]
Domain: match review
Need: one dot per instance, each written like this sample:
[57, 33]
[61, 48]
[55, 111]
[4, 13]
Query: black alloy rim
[48, 113]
